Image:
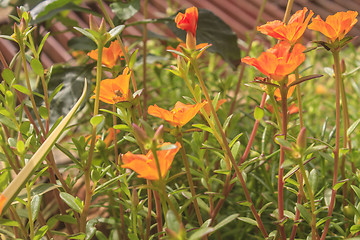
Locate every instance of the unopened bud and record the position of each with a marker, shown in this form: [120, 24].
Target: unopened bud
[159, 134]
[102, 28]
[100, 145]
[23, 25]
[190, 41]
[140, 134]
[135, 197]
[342, 66]
[93, 24]
[301, 139]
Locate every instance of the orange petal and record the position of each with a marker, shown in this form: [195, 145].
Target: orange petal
[2, 202]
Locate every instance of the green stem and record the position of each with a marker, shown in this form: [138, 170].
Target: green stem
[17, 218]
[276, 110]
[87, 167]
[31, 223]
[226, 148]
[298, 94]
[31, 95]
[126, 55]
[189, 177]
[145, 13]
[314, 234]
[336, 57]
[283, 92]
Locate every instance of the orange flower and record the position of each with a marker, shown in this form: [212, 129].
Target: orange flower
[336, 26]
[291, 109]
[179, 115]
[188, 21]
[290, 32]
[279, 61]
[207, 106]
[115, 90]
[145, 165]
[179, 49]
[290, 91]
[2, 202]
[110, 55]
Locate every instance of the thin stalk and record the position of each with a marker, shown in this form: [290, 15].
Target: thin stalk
[126, 56]
[145, 13]
[227, 185]
[17, 218]
[298, 201]
[346, 141]
[283, 92]
[189, 177]
[87, 168]
[242, 69]
[288, 11]
[314, 234]
[298, 94]
[148, 217]
[225, 146]
[158, 212]
[276, 110]
[28, 206]
[31, 95]
[337, 138]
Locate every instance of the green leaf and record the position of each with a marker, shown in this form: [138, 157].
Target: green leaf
[43, 112]
[19, 181]
[71, 201]
[96, 120]
[35, 206]
[258, 113]
[355, 229]
[116, 31]
[203, 127]
[41, 232]
[248, 220]
[133, 59]
[172, 221]
[211, 29]
[352, 127]
[124, 11]
[225, 221]
[8, 75]
[37, 66]
[201, 232]
[304, 212]
[67, 219]
[86, 33]
[339, 184]
[356, 190]
[22, 89]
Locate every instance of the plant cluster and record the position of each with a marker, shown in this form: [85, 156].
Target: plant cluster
[202, 170]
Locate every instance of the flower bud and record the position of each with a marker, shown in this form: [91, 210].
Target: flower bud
[301, 139]
[100, 145]
[342, 66]
[102, 28]
[190, 41]
[159, 134]
[140, 134]
[93, 24]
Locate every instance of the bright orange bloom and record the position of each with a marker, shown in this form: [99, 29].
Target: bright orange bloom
[182, 44]
[336, 26]
[110, 55]
[279, 61]
[145, 165]
[290, 32]
[290, 91]
[179, 115]
[115, 90]
[2, 202]
[188, 21]
[208, 109]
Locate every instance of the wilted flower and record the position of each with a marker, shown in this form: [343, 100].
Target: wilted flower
[336, 26]
[290, 32]
[115, 90]
[179, 115]
[279, 61]
[110, 55]
[145, 165]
